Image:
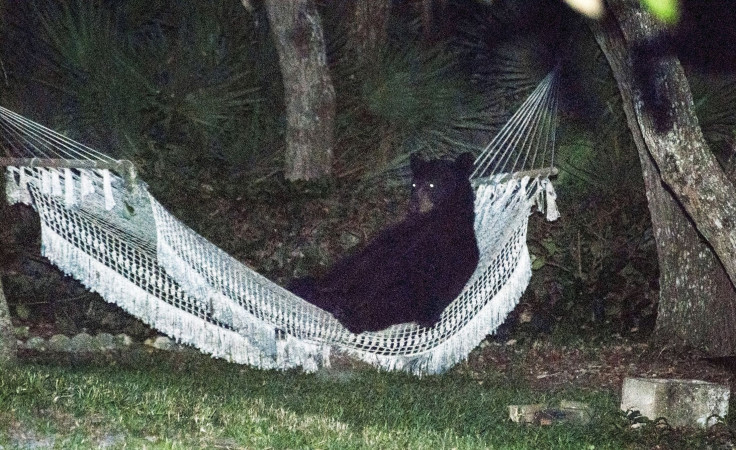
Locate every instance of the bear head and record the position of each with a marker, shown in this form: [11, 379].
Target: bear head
[440, 183]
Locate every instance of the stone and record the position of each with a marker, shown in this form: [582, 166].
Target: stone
[60, 343]
[106, 341]
[36, 343]
[683, 403]
[84, 343]
[23, 332]
[123, 340]
[161, 343]
[22, 312]
[525, 413]
[576, 412]
[541, 414]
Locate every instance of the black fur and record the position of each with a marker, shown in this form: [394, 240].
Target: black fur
[411, 271]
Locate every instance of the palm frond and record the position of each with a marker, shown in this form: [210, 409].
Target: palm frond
[715, 104]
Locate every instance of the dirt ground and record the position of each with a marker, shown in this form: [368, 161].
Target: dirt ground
[549, 367]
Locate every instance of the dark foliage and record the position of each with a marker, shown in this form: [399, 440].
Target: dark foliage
[175, 84]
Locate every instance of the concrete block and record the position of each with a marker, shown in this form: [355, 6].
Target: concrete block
[541, 414]
[525, 413]
[683, 403]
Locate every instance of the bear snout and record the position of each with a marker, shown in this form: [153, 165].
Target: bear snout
[423, 202]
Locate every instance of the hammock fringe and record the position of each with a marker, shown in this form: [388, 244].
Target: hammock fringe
[195, 293]
[108, 232]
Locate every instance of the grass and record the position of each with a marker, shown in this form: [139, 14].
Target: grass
[187, 400]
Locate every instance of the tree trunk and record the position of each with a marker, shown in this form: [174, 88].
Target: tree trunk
[431, 10]
[663, 108]
[308, 91]
[367, 36]
[369, 30]
[697, 304]
[7, 335]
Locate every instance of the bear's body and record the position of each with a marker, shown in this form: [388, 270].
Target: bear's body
[411, 271]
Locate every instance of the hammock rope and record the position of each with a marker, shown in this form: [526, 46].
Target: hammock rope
[121, 243]
[527, 140]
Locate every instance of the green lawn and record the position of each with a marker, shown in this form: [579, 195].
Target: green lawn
[186, 400]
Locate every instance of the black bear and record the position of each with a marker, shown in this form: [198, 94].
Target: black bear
[411, 271]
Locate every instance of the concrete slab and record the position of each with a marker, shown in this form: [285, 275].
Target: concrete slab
[683, 403]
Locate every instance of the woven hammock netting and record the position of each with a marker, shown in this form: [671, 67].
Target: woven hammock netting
[102, 227]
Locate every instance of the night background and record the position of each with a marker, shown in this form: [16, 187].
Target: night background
[191, 92]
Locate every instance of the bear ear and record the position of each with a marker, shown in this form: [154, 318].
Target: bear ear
[416, 162]
[465, 163]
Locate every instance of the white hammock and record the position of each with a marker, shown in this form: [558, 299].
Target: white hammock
[108, 232]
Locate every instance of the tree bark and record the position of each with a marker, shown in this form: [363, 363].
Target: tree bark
[676, 143]
[8, 348]
[689, 196]
[368, 31]
[309, 94]
[431, 9]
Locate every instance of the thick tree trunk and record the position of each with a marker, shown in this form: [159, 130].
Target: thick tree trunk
[663, 108]
[367, 33]
[7, 335]
[308, 91]
[369, 29]
[697, 299]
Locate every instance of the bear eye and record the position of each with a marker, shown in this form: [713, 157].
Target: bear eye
[431, 185]
[413, 185]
